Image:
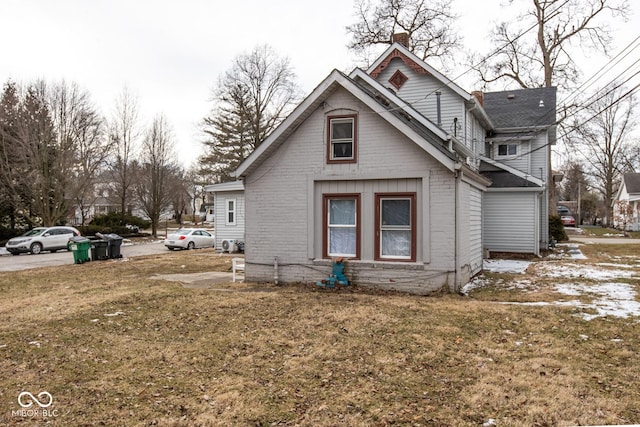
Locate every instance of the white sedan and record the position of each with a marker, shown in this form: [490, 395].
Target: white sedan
[190, 238]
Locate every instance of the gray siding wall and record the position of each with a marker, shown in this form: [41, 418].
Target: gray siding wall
[510, 222]
[420, 91]
[475, 230]
[224, 231]
[284, 204]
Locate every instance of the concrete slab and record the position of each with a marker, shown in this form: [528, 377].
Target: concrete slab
[197, 280]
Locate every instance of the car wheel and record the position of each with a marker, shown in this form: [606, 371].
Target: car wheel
[36, 248]
[191, 245]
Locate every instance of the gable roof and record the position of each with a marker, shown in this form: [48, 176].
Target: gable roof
[398, 50]
[522, 108]
[421, 134]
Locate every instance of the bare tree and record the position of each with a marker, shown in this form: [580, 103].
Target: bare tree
[428, 25]
[156, 163]
[124, 134]
[544, 58]
[603, 137]
[251, 99]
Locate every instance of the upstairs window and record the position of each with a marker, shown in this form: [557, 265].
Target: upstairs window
[342, 139]
[507, 150]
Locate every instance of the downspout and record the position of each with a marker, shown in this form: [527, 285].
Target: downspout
[457, 222]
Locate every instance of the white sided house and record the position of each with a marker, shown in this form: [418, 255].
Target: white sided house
[626, 203]
[382, 168]
[229, 215]
[516, 160]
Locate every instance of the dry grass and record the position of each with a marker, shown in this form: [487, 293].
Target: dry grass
[257, 354]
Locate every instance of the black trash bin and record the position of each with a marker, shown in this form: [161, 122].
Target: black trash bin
[115, 242]
[99, 249]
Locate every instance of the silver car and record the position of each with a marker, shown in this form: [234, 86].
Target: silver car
[190, 238]
[41, 239]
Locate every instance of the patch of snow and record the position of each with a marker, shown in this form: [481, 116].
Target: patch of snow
[505, 266]
[36, 343]
[490, 422]
[475, 283]
[611, 264]
[574, 271]
[117, 313]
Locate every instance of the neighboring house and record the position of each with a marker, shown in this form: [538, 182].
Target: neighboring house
[383, 167]
[626, 203]
[229, 214]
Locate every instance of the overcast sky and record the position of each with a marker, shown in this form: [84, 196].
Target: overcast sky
[170, 53]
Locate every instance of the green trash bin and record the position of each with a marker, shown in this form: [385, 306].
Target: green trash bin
[80, 247]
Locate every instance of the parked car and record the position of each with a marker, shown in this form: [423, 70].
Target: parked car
[190, 238]
[41, 239]
[568, 221]
[563, 210]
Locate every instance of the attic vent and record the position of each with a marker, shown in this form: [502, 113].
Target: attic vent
[398, 79]
[511, 96]
[541, 104]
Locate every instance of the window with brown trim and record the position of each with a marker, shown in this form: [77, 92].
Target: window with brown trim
[395, 226]
[341, 225]
[342, 139]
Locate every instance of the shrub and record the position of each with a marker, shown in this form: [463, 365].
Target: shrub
[556, 229]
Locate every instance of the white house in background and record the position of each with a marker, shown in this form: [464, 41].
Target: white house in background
[626, 203]
[229, 214]
[386, 168]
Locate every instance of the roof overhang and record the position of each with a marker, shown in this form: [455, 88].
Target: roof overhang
[225, 186]
[538, 182]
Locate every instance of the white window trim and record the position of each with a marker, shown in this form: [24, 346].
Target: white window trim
[227, 211]
[507, 156]
[353, 140]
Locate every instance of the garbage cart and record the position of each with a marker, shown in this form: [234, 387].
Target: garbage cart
[114, 242]
[79, 245]
[99, 249]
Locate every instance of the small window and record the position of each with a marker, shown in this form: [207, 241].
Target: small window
[396, 227]
[231, 212]
[507, 149]
[341, 145]
[341, 226]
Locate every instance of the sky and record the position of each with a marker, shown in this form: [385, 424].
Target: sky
[169, 54]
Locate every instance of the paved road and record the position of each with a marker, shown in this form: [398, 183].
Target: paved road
[10, 262]
[604, 240]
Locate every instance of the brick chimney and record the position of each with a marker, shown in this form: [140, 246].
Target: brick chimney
[402, 38]
[479, 96]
